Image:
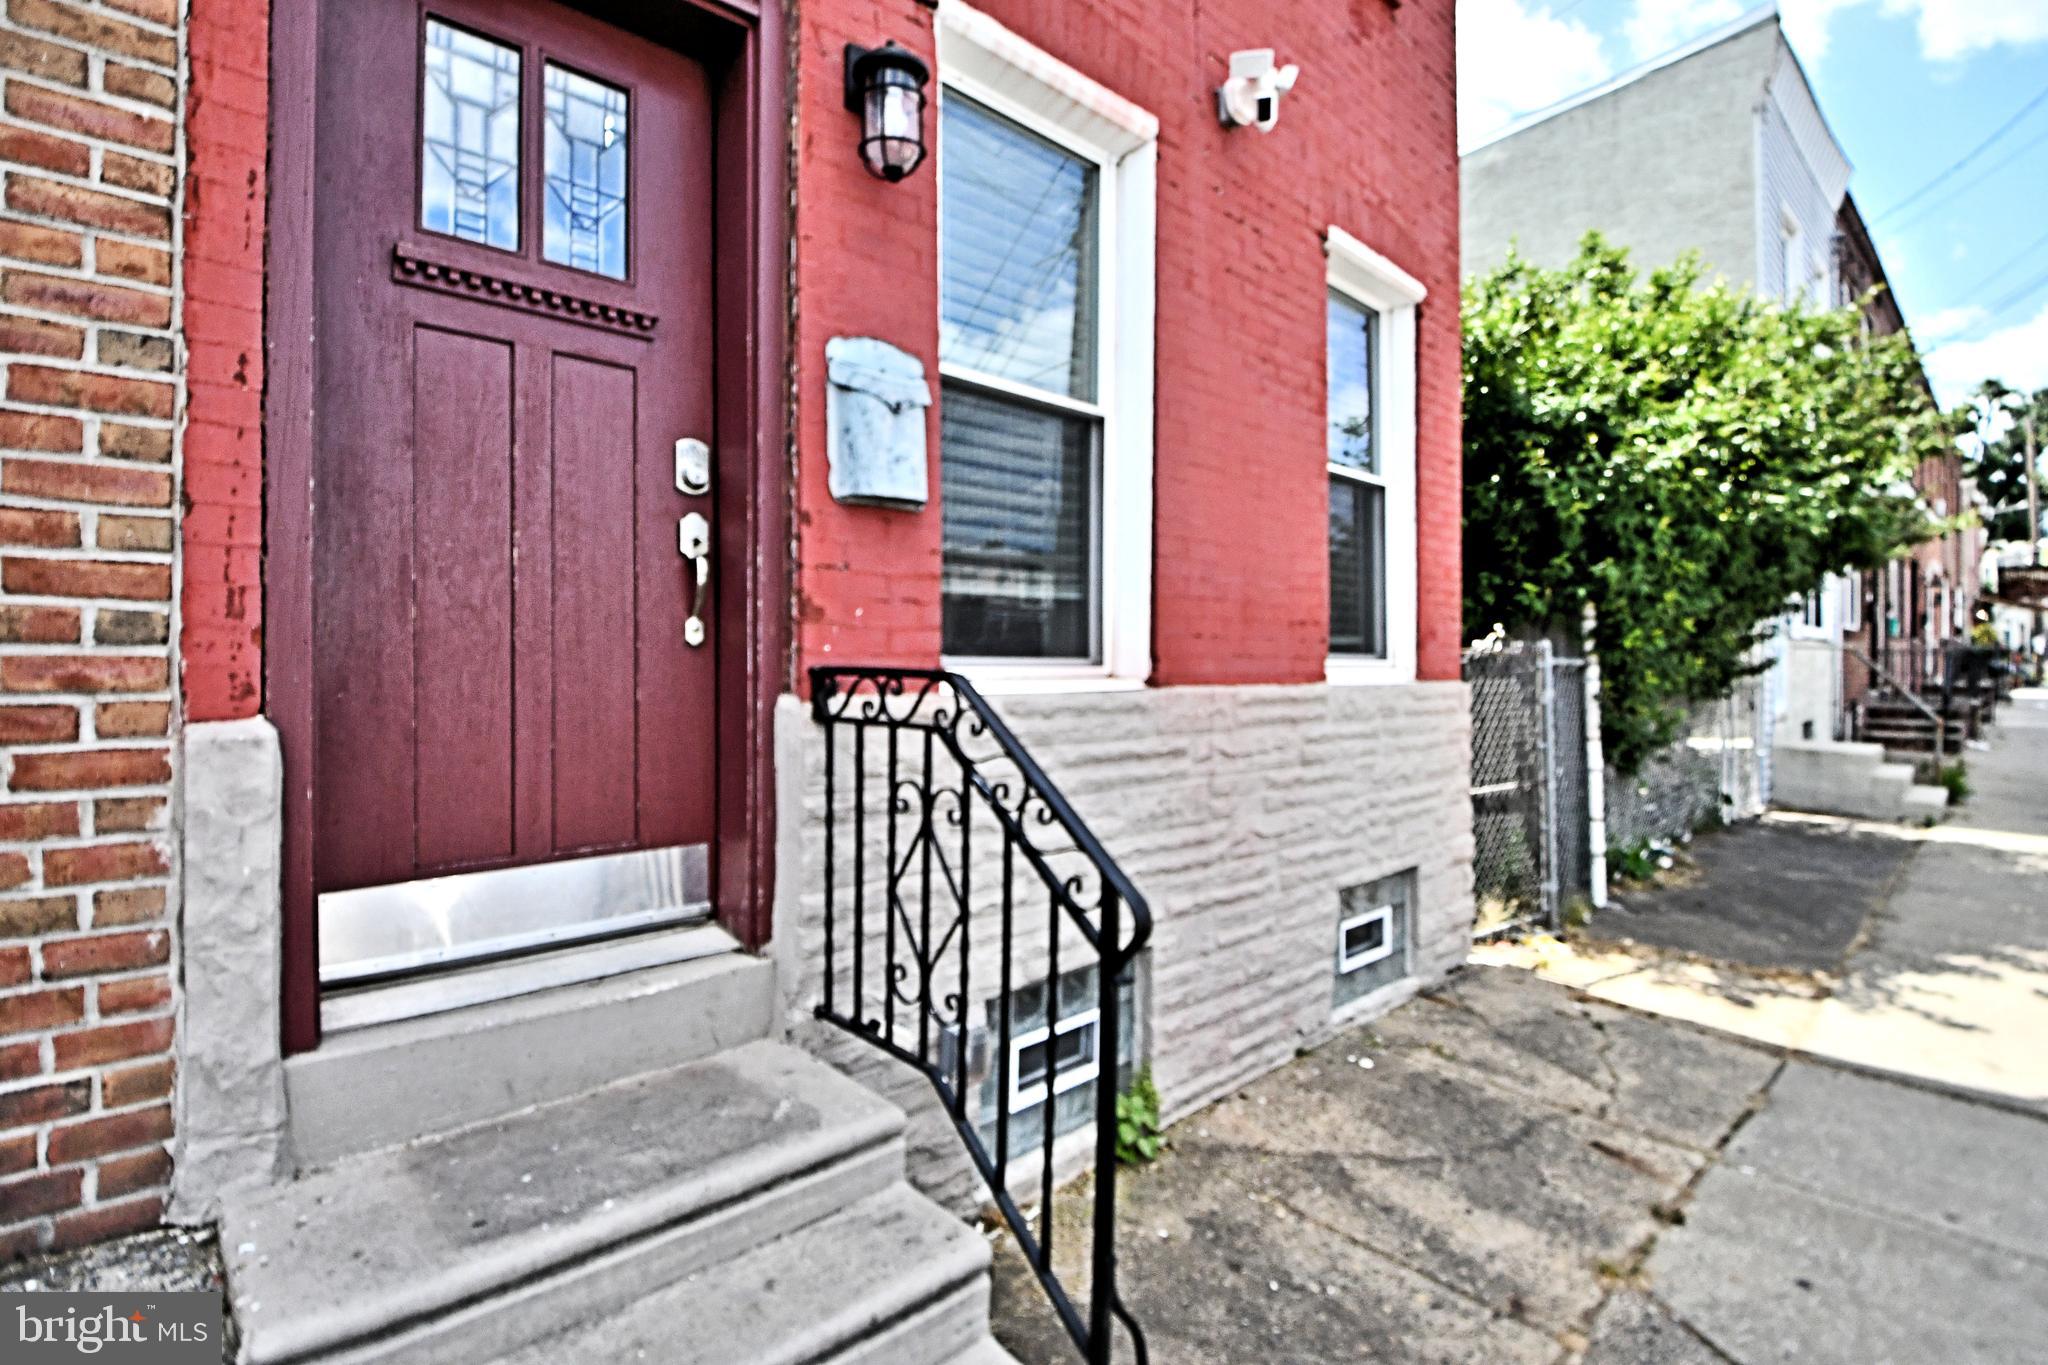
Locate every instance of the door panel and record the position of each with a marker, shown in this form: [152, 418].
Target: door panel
[500, 675]
[462, 597]
[596, 709]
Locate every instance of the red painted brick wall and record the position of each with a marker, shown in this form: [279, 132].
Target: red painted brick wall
[89, 158]
[227, 145]
[867, 582]
[1367, 142]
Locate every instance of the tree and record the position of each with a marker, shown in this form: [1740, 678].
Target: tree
[1999, 464]
[1682, 455]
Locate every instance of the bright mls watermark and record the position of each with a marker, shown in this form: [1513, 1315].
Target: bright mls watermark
[181, 1328]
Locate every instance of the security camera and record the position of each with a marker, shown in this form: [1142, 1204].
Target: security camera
[1251, 97]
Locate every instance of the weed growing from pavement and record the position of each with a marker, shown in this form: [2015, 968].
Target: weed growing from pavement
[1139, 1137]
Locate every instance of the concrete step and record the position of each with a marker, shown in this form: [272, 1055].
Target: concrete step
[397, 1082]
[464, 1248]
[1925, 802]
[1878, 730]
[1896, 742]
[989, 1352]
[893, 1280]
[1834, 778]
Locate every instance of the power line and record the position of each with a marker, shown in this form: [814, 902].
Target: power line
[1995, 311]
[1995, 276]
[1967, 157]
[2017, 296]
[1975, 180]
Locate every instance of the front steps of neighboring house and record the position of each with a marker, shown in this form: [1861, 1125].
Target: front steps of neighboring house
[735, 1202]
[1833, 778]
[1901, 727]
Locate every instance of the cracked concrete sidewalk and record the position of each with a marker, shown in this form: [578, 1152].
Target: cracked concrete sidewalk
[1523, 1174]
[1932, 964]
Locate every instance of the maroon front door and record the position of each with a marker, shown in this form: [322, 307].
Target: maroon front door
[513, 330]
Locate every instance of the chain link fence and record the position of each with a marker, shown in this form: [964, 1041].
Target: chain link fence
[1534, 800]
[1531, 808]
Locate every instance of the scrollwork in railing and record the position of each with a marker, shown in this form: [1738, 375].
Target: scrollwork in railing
[931, 764]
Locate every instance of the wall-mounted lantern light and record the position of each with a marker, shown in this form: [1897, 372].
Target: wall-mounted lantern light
[885, 86]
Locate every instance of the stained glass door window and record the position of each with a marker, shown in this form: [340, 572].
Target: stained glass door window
[584, 174]
[469, 139]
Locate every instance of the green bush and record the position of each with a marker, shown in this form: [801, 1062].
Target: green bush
[1684, 456]
[1957, 779]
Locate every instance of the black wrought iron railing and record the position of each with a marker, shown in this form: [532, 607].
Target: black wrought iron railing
[976, 929]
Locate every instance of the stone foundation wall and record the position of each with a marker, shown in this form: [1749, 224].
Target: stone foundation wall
[1239, 812]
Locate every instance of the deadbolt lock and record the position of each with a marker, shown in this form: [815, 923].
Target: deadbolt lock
[693, 467]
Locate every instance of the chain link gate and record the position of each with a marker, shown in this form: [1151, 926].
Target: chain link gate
[1571, 802]
[1531, 804]
[1510, 816]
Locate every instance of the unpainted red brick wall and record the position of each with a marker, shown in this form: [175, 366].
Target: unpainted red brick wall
[1367, 142]
[89, 146]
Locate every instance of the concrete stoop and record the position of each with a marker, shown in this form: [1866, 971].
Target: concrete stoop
[1829, 777]
[748, 1208]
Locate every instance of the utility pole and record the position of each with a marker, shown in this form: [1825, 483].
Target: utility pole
[2033, 497]
[2033, 523]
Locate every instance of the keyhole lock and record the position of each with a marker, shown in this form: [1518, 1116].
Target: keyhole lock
[693, 541]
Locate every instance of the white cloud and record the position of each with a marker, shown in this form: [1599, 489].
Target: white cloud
[1654, 27]
[1943, 323]
[1806, 24]
[2017, 355]
[1514, 57]
[1955, 28]
[1948, 30]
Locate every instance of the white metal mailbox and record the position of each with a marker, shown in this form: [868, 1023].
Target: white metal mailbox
[875, 425]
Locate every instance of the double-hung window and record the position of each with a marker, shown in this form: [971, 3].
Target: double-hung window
[1358, 487]
[1369, 435]
[1021, 429]
[1046, 216]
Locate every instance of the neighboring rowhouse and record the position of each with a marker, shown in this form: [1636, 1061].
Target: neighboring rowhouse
[1902, 619]
[1720, 148]
[442, 438]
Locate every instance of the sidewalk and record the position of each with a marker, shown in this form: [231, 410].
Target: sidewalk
[1522, 1175]
[1556, 1165]
[1947, 981]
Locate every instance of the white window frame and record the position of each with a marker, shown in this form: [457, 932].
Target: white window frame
[1366, 277]
[1791, 253]
[1852, 601]
[997, 69]
[1024, 1097]
[1823, 605]
[1351, 962]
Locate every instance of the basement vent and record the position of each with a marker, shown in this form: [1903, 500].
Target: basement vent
[1373, 932]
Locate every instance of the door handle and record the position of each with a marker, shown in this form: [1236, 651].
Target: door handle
[693, 540]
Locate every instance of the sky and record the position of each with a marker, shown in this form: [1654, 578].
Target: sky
[1909, 87]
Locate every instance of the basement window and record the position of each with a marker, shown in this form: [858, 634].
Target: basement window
[1365, 938]
[1068, 1053]
[1069, 1056]
[1374, 923]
